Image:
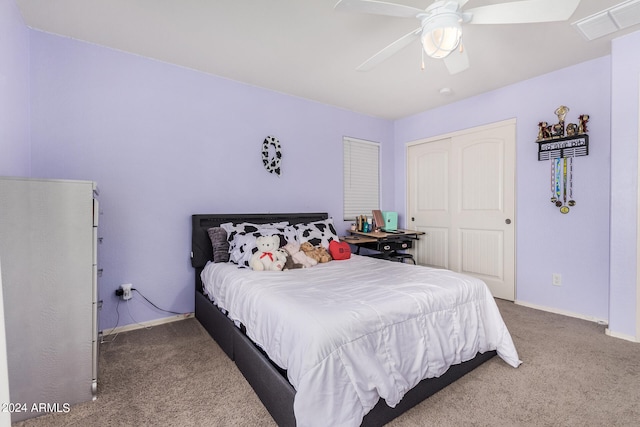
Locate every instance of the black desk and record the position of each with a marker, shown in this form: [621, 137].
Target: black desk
[386, 244]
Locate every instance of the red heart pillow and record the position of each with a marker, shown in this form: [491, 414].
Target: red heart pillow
[339, 250]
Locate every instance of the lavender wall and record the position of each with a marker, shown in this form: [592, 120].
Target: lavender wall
[163, 143]
[14, 92]
[575, 245]
[624, 189]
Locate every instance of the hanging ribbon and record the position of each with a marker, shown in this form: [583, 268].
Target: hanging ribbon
[558, 179]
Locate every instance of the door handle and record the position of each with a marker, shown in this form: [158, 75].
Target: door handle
[507, 221]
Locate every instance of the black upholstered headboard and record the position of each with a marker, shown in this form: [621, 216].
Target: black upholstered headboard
[201, 249]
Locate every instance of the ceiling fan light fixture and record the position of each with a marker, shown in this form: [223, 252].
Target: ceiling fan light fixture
[441, 35]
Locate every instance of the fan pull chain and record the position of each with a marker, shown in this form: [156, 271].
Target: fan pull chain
[422, 64]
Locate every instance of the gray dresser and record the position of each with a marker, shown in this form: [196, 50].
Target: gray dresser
[48, 250]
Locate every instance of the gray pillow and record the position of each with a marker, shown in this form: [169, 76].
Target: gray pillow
[220, 245]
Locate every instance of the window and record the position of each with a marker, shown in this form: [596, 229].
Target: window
[361, 177]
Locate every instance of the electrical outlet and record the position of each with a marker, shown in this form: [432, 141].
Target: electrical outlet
[556, 279]
[126, 291]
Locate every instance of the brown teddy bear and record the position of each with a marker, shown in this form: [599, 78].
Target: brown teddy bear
[318, 253]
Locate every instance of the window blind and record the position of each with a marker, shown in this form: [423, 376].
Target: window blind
[361, 177]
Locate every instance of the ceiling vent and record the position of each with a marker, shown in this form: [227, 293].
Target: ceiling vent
[609, 20]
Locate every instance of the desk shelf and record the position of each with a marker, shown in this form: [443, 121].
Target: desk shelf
[386, 245]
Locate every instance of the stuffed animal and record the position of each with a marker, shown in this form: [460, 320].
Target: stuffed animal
[267, 257]
[289, 263]
[297, 256]
[339, 250]
[319, 253]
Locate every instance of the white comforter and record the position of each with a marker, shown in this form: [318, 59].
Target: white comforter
[349, 332]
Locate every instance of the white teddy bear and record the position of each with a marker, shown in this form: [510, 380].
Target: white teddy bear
[268, 257]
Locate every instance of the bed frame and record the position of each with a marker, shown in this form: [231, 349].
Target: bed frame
[268, 380]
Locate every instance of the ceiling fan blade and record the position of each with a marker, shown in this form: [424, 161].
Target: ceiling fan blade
[457, 61]
[521, 12]
[390, 50]
[378, 8]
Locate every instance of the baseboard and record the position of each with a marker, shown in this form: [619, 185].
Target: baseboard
[602, 322]
[151, 323]
[620, 336]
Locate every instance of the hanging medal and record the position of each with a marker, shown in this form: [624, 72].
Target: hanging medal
[571, 201]
[553, 181]
[557, 183]
[564, 208]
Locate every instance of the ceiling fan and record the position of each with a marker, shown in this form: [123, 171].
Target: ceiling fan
[440, 28]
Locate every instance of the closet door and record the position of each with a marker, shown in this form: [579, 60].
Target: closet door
[461, 192]
[429, 168]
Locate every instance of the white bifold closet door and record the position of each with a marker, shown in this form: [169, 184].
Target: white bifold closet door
[461, 193]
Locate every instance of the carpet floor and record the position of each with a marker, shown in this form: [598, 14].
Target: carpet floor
[176, 375]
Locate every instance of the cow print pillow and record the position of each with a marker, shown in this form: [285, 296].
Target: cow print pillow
[248, 227]
[242, 238]
[318, 233]
[244, 245]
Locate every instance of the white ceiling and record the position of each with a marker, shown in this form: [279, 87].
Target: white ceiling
[306, 49]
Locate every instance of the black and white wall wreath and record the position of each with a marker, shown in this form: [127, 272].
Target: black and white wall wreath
[272, 155]
[560, 144]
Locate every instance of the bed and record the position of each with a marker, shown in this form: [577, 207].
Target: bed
[350, 342]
